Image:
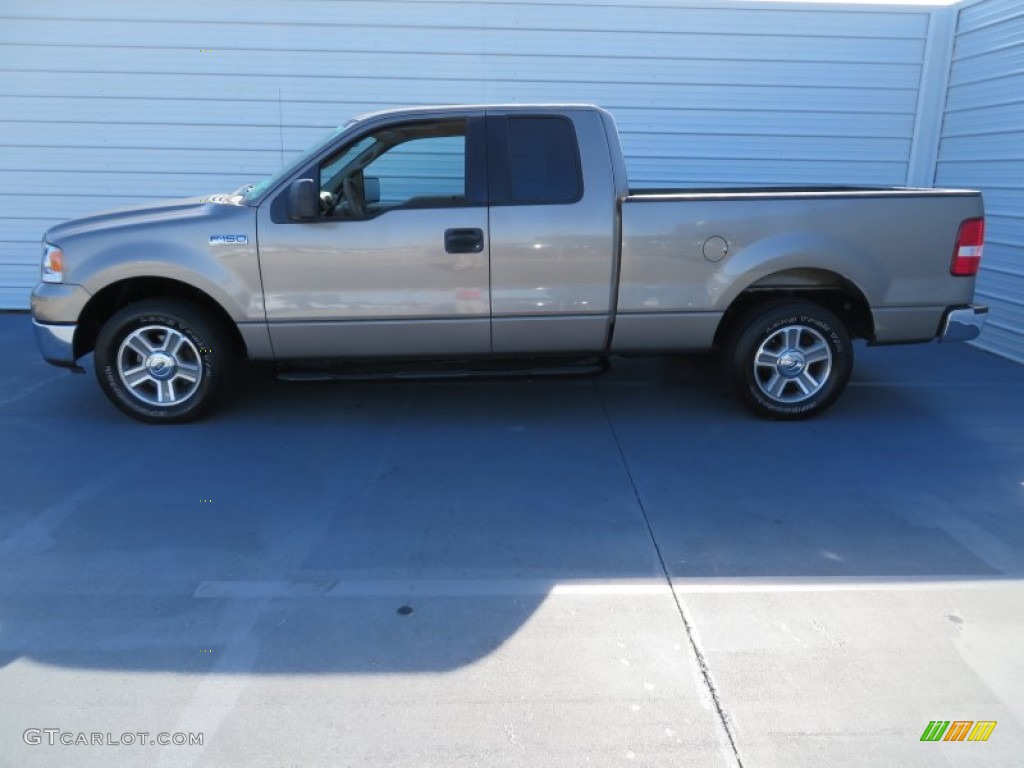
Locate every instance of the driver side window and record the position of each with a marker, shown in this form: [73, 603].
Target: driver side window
[414, 165]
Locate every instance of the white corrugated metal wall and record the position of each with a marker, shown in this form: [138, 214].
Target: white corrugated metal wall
[106, 103]
[982, 146]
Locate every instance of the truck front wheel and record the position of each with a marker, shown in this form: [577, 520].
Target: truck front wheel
[163, 361]
[788, 360]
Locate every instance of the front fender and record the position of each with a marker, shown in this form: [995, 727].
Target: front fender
[238, 293]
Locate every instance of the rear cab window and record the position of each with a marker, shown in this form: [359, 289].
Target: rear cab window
[534, 161]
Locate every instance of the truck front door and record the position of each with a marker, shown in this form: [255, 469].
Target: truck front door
[396, 262]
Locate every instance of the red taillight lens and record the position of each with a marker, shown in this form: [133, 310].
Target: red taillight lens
[969, 242]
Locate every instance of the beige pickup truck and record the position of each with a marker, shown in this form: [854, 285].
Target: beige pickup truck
[479, 237]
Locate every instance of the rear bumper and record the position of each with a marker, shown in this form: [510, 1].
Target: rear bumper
[963, 323]
[56, 343]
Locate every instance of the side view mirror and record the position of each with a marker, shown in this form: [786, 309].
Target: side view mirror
[371, 189]
[302, 200]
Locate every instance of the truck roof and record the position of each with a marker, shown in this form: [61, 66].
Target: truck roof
[461, 108]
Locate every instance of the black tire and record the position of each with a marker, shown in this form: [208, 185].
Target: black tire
[203, 351]
[788, 360]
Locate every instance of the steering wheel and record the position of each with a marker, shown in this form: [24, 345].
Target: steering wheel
[353, 198]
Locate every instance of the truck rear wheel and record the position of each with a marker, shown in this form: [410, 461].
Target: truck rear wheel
[163, 361]
[788, 360]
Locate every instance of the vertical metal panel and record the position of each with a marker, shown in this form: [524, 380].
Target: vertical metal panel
[931, 98]
[982, 146]
[108, 103]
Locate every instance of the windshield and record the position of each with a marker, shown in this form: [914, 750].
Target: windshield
[251, 192]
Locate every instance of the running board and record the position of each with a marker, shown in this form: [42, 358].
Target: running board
[496, 371]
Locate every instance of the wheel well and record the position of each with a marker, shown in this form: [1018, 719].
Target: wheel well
[117, 295]
[832, 291]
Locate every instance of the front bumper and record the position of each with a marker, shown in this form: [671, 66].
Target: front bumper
[57, 343]
[963, 323]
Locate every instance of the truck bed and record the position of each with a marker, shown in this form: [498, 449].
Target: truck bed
[687, 254]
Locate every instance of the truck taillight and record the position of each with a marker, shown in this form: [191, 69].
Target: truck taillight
[969, 241]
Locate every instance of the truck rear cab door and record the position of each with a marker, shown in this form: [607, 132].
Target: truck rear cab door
[552, 232]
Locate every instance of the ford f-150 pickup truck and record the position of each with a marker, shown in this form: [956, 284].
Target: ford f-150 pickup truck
[481, 234]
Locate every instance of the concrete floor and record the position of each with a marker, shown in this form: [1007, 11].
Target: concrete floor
[624, 570]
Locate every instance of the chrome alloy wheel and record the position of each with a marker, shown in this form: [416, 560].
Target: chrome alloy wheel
[792, 364]
[159, 365]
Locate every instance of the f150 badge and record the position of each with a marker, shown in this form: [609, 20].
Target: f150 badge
[229, 240]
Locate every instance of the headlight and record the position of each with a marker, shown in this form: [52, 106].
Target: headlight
[53, 264]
